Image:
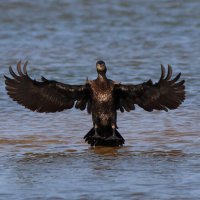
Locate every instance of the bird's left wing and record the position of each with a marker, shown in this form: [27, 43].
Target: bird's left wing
[44, 96]
[166, 94]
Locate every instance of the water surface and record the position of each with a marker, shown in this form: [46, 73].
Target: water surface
[43, 156]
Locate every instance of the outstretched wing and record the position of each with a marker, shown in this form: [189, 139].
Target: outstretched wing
[166, 94]
[44, 96]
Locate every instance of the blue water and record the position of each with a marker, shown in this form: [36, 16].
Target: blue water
[43, 156]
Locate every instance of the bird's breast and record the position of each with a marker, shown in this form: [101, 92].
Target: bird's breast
[103, 96]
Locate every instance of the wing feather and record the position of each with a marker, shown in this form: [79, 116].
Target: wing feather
[166, 94]
[44, 96]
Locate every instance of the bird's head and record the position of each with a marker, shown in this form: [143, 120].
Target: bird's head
[101, 67]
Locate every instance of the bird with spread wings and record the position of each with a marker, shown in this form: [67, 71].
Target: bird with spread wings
[101, 97]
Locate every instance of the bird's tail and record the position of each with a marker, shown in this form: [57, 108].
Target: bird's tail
[104, 133]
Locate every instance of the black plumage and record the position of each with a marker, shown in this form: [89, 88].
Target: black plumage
[102, 97]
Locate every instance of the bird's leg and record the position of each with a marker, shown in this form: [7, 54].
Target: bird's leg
[96, 135]
[113, 130]
[113, 136]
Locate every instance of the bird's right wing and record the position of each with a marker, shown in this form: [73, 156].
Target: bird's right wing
[47, 95]
[166, 94]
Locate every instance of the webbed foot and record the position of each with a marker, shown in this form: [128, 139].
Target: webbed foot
[113, 137]
[96, 137]
[98, 140]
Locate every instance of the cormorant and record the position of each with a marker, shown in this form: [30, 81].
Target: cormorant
[101, 97]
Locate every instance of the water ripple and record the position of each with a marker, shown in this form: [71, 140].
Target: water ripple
[43, 156]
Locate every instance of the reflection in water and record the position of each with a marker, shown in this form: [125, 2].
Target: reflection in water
[49, 171]
[111, 151]
[43, 156]
[105, 167]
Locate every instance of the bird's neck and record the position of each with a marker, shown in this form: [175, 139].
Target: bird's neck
[102, 77]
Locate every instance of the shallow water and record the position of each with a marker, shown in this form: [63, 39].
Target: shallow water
[43, 156]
